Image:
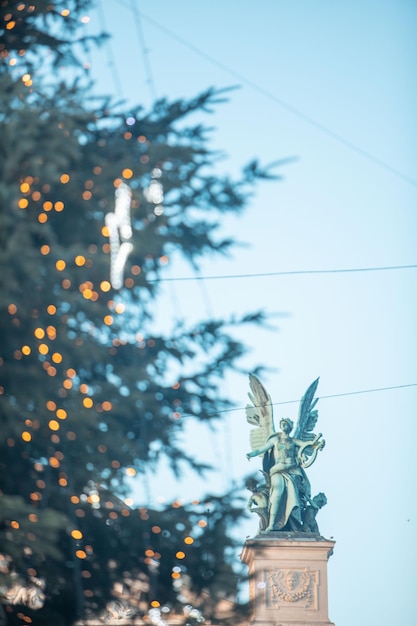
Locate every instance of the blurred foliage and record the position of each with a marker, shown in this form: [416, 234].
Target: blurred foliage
[92, 392]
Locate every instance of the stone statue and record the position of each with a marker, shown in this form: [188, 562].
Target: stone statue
[258, 501]
[285, 459]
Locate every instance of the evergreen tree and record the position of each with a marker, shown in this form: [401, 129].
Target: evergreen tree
[92, 393]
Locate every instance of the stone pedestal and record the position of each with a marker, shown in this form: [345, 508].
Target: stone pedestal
[288, 579]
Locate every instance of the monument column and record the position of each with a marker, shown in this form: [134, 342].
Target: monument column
[288, 578]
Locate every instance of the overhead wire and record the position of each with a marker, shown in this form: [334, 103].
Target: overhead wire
[334, 395]
[319, 126]
[110, 55]
[174, 297]
[280, 101]
[144, 49]
[288, 273]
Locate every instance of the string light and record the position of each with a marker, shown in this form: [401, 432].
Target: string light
[119, 231]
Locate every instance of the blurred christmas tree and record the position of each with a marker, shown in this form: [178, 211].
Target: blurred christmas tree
[91, 394]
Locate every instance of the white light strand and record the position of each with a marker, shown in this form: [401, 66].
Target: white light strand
[155, 192]
[120, 231]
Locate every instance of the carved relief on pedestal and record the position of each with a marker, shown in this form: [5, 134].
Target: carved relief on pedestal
[289, 587]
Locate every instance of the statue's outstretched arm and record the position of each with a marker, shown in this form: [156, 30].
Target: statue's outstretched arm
[259, 451]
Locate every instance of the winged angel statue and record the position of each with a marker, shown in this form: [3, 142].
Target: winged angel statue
[287, 503]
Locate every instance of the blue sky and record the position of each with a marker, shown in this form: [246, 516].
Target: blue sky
[333, 84]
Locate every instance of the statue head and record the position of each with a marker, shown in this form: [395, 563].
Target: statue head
[291, 580]
[251, 484]
[320, 500]
[286, 424]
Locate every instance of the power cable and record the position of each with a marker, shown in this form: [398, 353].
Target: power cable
[110, 56]
[289, 273]
[144, 49]
[282, 103]
[334, 395]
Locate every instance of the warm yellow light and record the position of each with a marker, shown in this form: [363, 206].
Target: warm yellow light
[65, 12]
[80, 554]
[42, 218]
[202, 523]
[25, 187]
[88, 403]
[180, 555]
[80, 260]
[47, 205]
[176, 575]
[75, 499]
[57, 357]
[87, 293]
[71, 373]
[53, 462]
[188, 540]
[60, 265]
[76, 534]
[14, 524]
[45, 249]
[155, 604]
[50, 405]
[108, 320]
[39, 333]
[127, 173]
[105, 285]
[117, 182]
[105, 231]
[36, 196]
[130, 471]
[26, 350]
[51, 308]
[12, 308]
[120, 308]
[61, 414]
[43, 348]
[59, 206]
[23, 203]
[32, 517]
[64, 179]
[51, 332]
[26, 436]
[106, 405]
[10, 25]
[54, 425]
[67, 384]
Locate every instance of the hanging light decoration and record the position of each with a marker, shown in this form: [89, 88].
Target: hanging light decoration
[120, 232]
[155, 192]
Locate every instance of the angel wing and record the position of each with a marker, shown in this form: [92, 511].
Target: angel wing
[259, 413]
[307, 417]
